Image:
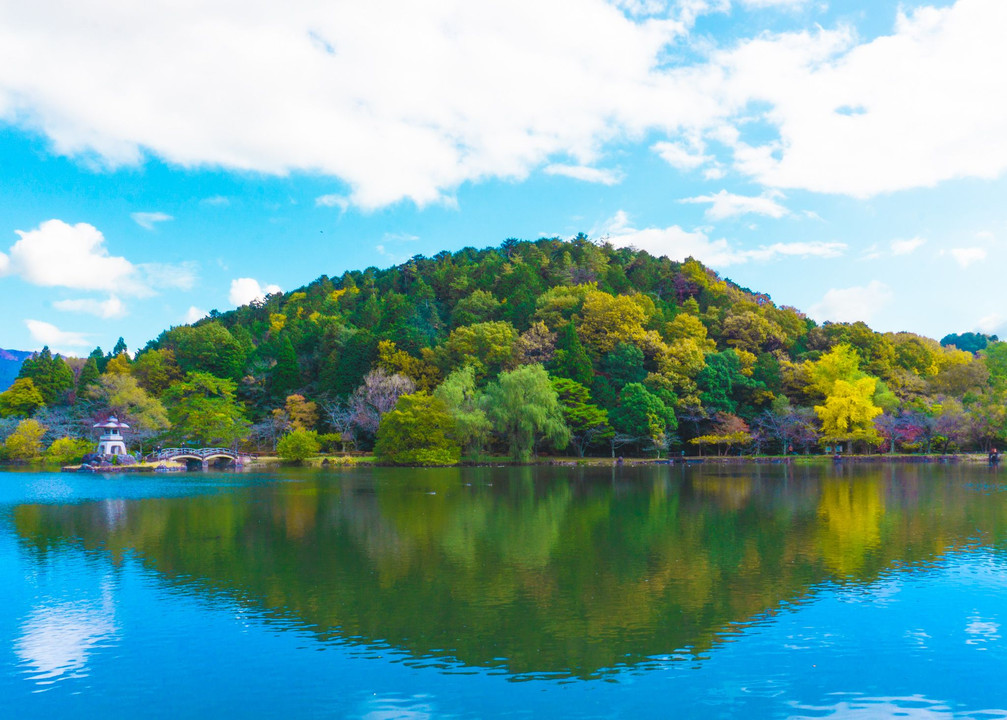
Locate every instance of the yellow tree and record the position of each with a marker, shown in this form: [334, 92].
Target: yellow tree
[607, 320]
[848, 412]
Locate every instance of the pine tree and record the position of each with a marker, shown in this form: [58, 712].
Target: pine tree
[571, 359]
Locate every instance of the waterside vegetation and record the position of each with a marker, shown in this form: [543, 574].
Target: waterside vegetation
[528, 349]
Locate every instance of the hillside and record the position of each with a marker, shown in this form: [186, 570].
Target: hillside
[640, 351]
[10, 364]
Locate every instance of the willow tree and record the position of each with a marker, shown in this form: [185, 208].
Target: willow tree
[524, 410]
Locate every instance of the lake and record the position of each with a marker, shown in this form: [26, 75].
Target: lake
[706, 591]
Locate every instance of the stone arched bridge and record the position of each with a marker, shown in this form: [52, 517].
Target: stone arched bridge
[204, 456]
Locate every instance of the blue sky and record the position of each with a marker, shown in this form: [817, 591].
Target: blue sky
[162, 160]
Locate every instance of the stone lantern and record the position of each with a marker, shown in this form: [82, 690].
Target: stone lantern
[111, 442]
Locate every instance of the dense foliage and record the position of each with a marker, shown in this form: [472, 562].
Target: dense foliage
[527, 348]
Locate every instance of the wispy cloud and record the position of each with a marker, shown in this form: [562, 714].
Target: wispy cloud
[853, 303]
[725, 205]
[678, 244]
[586, 173]
[62, 341]
[111, 308]
[147, 220]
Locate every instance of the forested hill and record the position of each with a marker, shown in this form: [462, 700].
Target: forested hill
[637, 351]
[10, 365]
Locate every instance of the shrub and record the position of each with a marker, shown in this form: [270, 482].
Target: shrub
[298, 445]
[68, 451]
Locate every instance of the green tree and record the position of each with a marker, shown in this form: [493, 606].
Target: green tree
[640, 413]
[68, 451]
[571, 359]
[298, 445]
[25, 443]
[89, 375]
[285, 375]
[20, 399]
[588, 423]
[122, 396]
[459, 394]
[203, 410]
[524, 409]
[51, 375]
[418, 431]
[155, 370]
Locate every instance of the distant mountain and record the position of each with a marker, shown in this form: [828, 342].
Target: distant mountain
[10, 365]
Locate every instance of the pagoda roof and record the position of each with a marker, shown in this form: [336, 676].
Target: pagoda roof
[112, 424]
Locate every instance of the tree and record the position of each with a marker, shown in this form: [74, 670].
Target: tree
[571, 359]
[122, 396]
[641, 413]
[155, 370]
[88, 376]
[727, 430]
[25, 443]
[303, 414]
[51, 376]
[459, 394]
[848, 412]
[68, 451]
[203, 410]
[479, 307]
[524, 409]
[376, 396]
[535, 345]
[285, 376]
[298, 445]
[588, 423]
[489, 346]
[20, 399]
[418, 431]
[624, 365]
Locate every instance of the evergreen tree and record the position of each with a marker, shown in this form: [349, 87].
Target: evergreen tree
[571, 359]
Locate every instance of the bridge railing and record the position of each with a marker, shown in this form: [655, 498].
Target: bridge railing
[168, 453]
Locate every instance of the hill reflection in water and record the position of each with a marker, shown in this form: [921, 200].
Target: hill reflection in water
[538, 571]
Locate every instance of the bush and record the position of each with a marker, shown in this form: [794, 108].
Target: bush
[68, 451]
[419, 431]
[25, 443]
[298, 445]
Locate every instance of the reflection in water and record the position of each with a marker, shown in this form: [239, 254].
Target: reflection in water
[541, 571]
[57, 638]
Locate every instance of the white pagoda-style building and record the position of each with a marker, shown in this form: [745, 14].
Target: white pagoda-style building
[111, 442]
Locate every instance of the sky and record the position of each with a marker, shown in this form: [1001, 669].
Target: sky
[165, 158]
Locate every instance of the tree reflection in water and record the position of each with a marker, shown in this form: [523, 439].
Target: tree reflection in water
[569, 571]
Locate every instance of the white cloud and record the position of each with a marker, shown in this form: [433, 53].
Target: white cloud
[193, 314]
[245, 290]
[679, 156]
[147, 220]
[57, 254]
[61, 341]
[906, 247]
[727, 205]
[967, 255]
[679, 244]
[163, 276]
[760, 4]
[74, 256]
[586, 173]
[924, 104]
[216, 201]
[111, 308]
[853, 303]
[404, 100]
[340, 201]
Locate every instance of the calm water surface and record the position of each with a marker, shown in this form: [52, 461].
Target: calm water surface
[761, 591]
